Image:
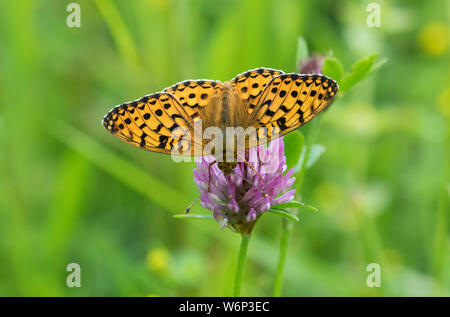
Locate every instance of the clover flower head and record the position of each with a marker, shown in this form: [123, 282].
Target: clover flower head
[312, 65]
[240, 198]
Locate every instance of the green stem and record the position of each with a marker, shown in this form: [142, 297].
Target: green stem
[287, 227]
[282, 258]
[240, 264]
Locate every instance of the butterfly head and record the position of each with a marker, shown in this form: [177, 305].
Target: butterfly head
[227, 167]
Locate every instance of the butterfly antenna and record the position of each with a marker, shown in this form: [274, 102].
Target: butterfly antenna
[192, 204]
[253, 184]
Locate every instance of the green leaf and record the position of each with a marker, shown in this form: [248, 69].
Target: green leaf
[119, 32]
[309, 207]
[295, 204]
[360, 70]
[284, 213]
[193, 216]
[333, 68]
[315, 153]
[293, 146]
[312, 156]
[291, 204]
[378, 65]
[302, 51]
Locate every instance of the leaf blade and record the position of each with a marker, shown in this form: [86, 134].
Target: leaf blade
[293, 147]
[360, 70]
[284, 213]
[295, 204]
[333, 68]
[302, 51]
[315, 153]
[193, 216]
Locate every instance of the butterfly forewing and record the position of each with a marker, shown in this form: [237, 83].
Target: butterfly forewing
[291, 100]
[156, 122]
[250, 85]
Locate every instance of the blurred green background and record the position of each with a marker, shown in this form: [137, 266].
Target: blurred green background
[71, 192]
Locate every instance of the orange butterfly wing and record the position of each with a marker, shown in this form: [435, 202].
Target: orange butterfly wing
[155, 122]
[291, 100]
[250, 85]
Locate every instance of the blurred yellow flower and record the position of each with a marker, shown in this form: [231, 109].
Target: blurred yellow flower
[157, 259]
[433, 38]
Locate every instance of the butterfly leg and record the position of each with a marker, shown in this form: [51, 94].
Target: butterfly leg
[257, 173]
[253, 169]
[209, 173]
[198, 197]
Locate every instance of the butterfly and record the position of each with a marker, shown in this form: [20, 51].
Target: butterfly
[272, 102]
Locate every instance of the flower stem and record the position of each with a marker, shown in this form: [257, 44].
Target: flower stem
[245, 238]
[282, 258]
[287, 227]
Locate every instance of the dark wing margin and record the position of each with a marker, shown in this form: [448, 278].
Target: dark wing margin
[291, 100]
[155, 122]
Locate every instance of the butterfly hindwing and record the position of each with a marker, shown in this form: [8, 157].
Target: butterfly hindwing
[155, 122]
[195, 95]
[250, 85]
[291, 100]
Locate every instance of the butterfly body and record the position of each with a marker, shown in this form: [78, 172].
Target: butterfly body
[264, 102]
[225, 109]
[225, 113]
